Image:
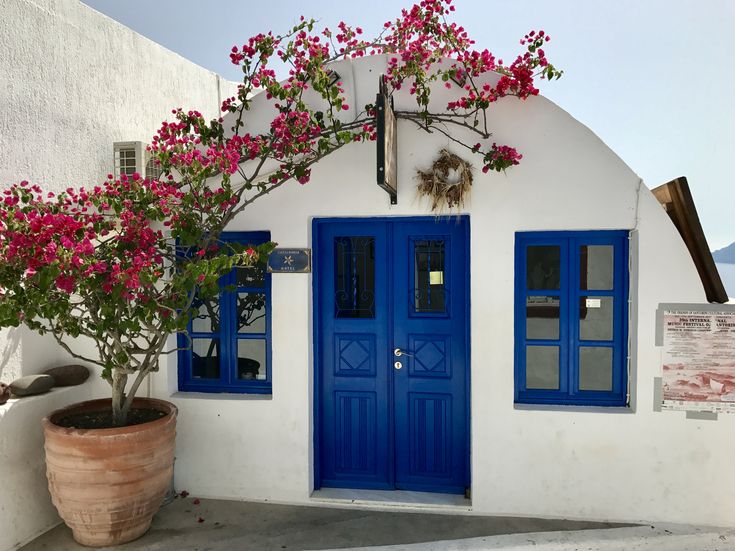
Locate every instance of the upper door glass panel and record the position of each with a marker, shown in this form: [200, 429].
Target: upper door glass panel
[428, 279]
[354, 277]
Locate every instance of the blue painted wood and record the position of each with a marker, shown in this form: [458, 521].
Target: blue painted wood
[377, 426]
[355, 449]
[228, 336]
[569, 341]
[430, 421]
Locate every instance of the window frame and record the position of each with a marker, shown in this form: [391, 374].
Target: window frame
[569, 341]
[228, 335]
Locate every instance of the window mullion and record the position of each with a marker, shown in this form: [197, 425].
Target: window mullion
[620, 360]
[572, 340]
[226, 329]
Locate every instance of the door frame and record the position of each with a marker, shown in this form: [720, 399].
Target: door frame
[316, 224]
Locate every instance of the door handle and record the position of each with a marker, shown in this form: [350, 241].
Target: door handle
[398, 353]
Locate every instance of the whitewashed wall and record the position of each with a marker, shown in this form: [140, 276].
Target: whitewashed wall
[72, 82]
[623, 465]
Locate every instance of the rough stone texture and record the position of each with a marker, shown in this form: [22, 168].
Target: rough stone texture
[32, 384]
[68, 375]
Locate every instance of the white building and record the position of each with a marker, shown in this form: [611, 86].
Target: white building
[526, 375]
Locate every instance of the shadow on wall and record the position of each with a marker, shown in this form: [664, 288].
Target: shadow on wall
[10, 352]
[24, 352]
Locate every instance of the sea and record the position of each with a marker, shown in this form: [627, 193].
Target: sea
[727, 273]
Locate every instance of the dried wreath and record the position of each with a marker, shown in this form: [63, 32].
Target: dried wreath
[447, 183]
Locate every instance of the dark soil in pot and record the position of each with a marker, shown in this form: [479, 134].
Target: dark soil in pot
[103, 419]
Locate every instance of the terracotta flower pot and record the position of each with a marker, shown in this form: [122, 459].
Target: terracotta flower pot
[108, 483]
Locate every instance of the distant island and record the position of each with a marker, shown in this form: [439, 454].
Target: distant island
[726, 255]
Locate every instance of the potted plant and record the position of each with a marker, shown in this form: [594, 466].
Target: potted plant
[111, 271]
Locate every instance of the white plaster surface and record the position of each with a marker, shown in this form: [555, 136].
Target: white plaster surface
[72, 82]
[624, 464]
[25, 504]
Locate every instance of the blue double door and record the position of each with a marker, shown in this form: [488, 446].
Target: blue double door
[392, 353]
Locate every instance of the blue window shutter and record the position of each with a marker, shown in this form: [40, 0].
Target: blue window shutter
[228, 380]
[570, 296]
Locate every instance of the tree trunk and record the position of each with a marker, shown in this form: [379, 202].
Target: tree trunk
[128, 402]
[119, 415]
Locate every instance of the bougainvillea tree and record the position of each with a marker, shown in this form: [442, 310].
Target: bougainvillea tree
[122, 262]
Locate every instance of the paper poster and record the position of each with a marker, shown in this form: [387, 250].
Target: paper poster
[699, 360]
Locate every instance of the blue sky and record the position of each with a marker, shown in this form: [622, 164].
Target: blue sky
[653, 78]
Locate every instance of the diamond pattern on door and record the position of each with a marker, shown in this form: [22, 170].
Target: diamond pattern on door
[430, 356]
[355, 355]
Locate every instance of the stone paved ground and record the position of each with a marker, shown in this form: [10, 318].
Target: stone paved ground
[234, 525]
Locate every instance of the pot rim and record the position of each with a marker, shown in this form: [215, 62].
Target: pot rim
[170, 409]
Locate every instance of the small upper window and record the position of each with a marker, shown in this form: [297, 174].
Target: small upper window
[571, 318]
[227, 345]
[132, 157]
[152, 168]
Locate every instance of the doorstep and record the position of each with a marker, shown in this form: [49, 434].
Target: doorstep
[391, 500]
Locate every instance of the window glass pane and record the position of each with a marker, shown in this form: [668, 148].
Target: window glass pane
[542, 318]
[251, 276]
[250, 312]
[596, 267]
[542, 367]
[251, 361]
[543, 267]
[595, 368]
[596, 318]
[429, 292]
[205, 359]
[354, 261]
[205, 315]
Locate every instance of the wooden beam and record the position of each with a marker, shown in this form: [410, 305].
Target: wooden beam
[676, 198]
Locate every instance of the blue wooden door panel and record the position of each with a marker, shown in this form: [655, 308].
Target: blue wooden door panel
[430, 317]
[354, 428]
[378, 426]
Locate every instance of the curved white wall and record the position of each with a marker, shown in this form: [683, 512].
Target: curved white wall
[566, 462]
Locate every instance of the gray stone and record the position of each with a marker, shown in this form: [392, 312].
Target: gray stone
[32, 384]
[68, 375]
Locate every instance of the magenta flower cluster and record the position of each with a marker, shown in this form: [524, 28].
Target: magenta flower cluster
[121, 262]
